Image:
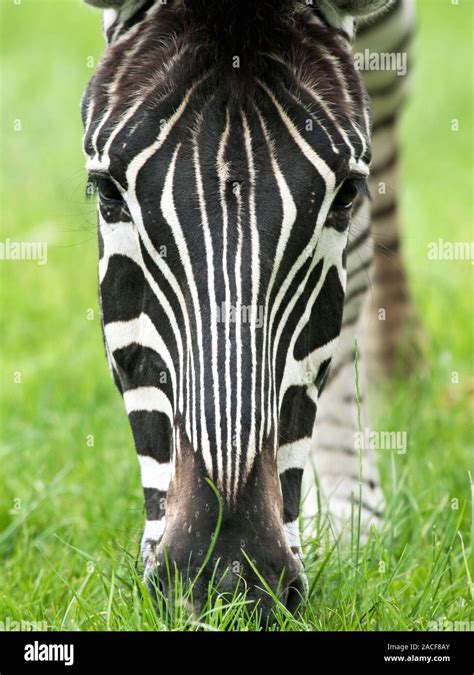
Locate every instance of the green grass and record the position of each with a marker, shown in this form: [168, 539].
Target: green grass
[71, 508]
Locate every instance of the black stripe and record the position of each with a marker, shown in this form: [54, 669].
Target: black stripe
[155, 503]
[391, 246]
[291, 490]
[385, 211]
[356, 292]
[364, 266]
[358, 241]
[387, 88]
[352, 320]
[385, 122]
[388, 164]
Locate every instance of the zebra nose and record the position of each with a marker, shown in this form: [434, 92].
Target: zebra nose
[264, 606]
[195, 587]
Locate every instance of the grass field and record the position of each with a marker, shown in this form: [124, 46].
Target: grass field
[71, 508]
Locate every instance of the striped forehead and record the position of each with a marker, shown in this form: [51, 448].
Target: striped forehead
[141, 93]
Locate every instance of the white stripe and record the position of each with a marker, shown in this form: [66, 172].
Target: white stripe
[132, 172]
[154, 475]
[329, 250]
[221, 167]
[109, 16]
[141, 331]
[329, 179]
[153, 530]
[119, 238]
[127, 58]
[90, 112]
[314, 95]
[255, 283]
[292, 532]
[293, 455]
[165, 69]
[288, 220]
[319, 164]
[313, 116]
[148, 399]
[169, 213]
[238, 340]
[212, 307]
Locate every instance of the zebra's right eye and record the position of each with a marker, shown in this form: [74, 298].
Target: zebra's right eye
[347, 193]
[345, 197]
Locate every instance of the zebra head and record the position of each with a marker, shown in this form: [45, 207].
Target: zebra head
[228, 143]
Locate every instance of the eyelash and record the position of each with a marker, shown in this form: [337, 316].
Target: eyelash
[102, 185]
[111, 203]
[347, 193]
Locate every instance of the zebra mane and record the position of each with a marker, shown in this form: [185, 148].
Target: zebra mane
[251, 9]
[238, 26]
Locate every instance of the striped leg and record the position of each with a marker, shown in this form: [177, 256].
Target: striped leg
[390, 326]
[331, 478]
[376, 319]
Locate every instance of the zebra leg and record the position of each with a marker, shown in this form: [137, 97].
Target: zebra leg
[381, 320]
[391, 329]
[392, 332]
[334, 480]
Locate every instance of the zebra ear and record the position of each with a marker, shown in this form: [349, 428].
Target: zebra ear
[106, 4]
[360, 8]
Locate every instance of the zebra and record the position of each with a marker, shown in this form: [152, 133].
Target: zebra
[229, 144]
